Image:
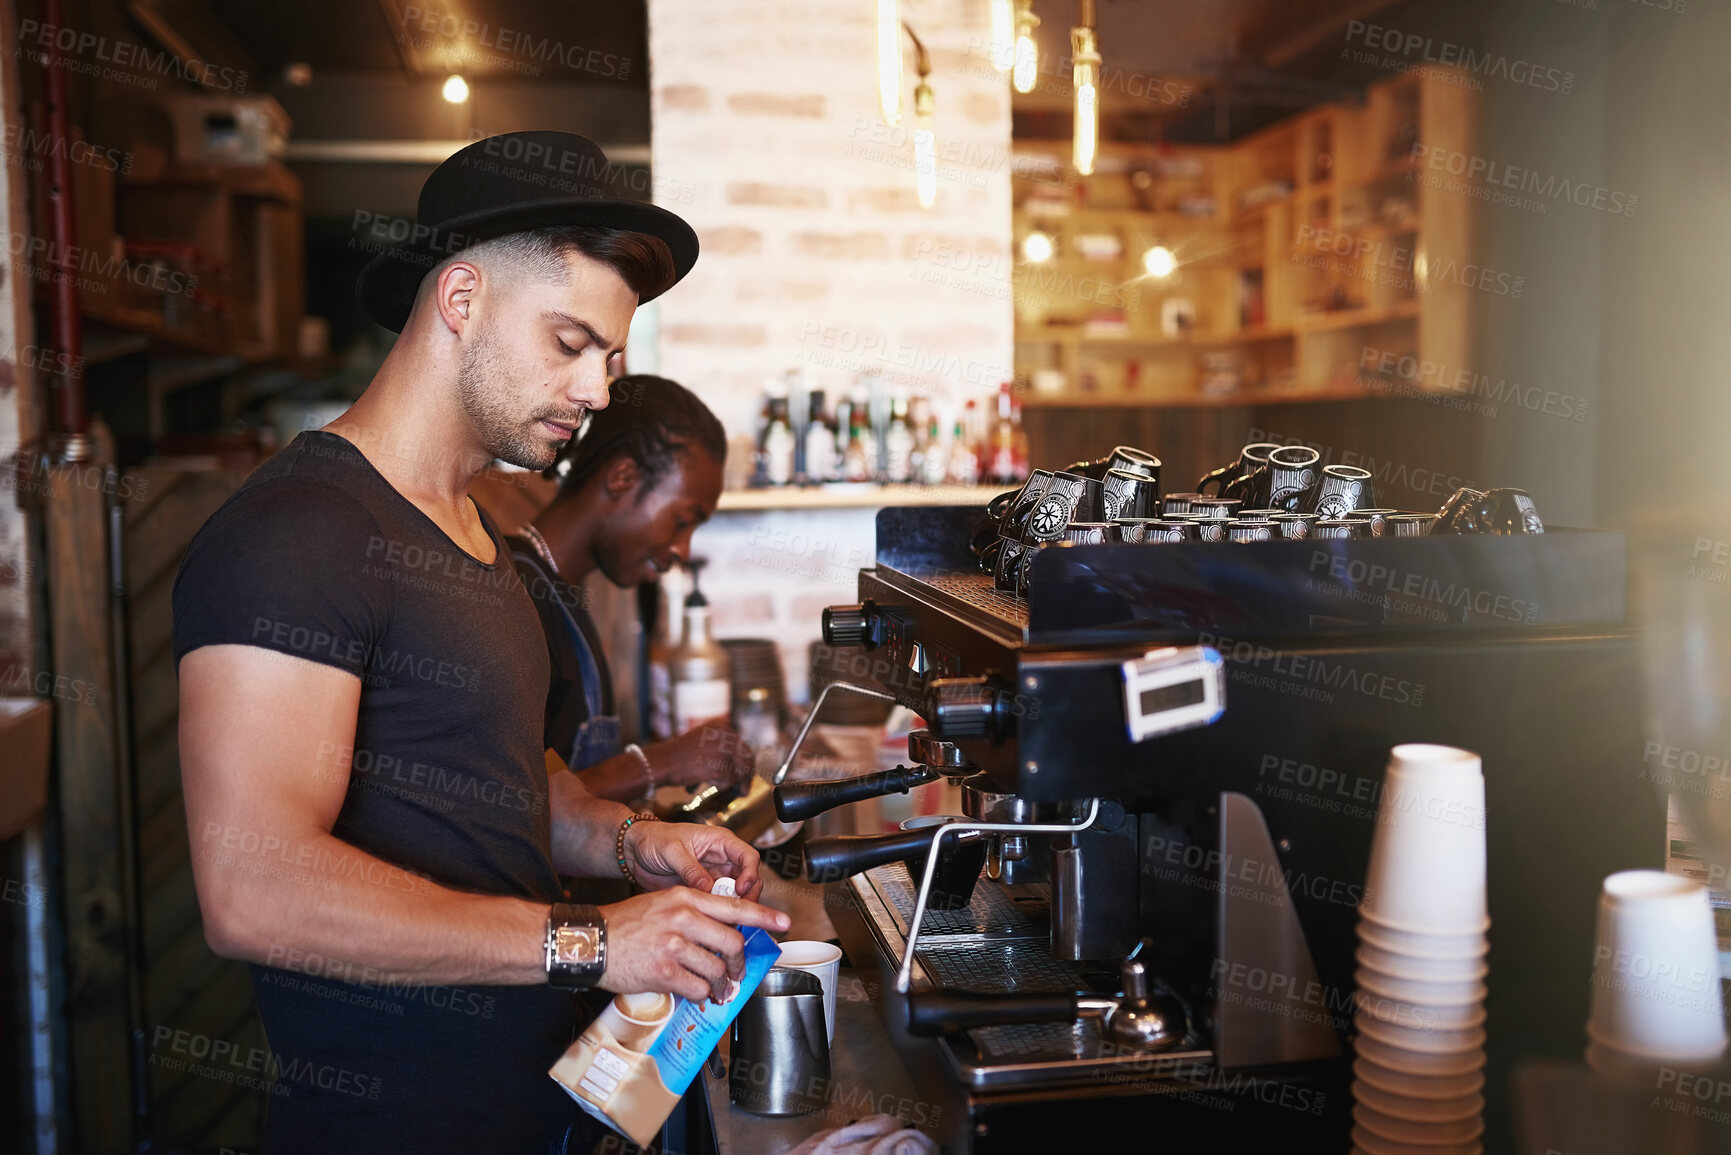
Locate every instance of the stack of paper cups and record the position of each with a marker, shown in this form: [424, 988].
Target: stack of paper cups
[1419, 1074]
[1656, 996]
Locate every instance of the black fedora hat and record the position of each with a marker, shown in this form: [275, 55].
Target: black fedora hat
[507, 184]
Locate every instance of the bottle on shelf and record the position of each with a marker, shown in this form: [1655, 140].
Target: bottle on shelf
[670, 597]
[798, 418]
[778, 439]
[819, 443]
[697, 668]
[935, 462]
[862, 448]
[899, 444]
[964, 463]
[1001, 461]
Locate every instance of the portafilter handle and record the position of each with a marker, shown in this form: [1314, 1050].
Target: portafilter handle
[839, 856]
[933, 1013]
[796, 801]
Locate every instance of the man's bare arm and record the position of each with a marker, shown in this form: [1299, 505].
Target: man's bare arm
[263, 790]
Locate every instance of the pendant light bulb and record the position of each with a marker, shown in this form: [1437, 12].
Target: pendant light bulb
[1159, 261]
[1037, 247]
[1086, 75]
[890, 60]
[456, 89]
[925, 145]
[1027, 53]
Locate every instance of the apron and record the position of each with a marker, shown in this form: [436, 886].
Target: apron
[599, 737]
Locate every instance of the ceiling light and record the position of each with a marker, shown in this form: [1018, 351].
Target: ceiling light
[925, 146]
[456, 89]
[1085, 51]
[1159, 261]
[1037, 247]
[1027, 59]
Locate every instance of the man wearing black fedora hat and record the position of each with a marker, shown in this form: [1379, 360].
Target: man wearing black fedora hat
[362, 687]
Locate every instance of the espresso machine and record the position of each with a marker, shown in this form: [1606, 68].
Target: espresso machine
[1171, 759]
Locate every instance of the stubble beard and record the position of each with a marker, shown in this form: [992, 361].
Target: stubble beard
[481, 376]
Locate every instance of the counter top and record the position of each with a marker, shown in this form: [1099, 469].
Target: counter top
[866, 1078]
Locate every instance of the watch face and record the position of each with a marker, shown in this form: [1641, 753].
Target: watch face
[577, 945]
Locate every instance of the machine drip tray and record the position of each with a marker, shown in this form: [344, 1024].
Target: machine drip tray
[999, 944]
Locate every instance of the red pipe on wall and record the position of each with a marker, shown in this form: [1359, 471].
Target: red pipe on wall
[74, 404]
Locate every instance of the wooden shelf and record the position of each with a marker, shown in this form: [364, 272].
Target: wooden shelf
[861, 496]
[1248, 398]
[1357, 318]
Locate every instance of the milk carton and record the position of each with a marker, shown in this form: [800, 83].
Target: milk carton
[631, 1065]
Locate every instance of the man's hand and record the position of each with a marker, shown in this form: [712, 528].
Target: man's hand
[680, 941]
[665, 854]
[709, 752]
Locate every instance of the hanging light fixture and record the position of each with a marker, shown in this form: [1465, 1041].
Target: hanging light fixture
[925, 136]
[455, 90]
[1027, 53]
[1159, 261]
[1003, 47]
[1085, 51]
[890, 60]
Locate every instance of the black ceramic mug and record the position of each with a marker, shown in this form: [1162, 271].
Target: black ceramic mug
[1249, 458]
[1067, 498]
[1174, 504]
[1410, 524]
[1214, 508]
[1341, 528]
[1016, 515]
[1344, 488]
[1294, 526]
[1291, 477]
[1125, 494]
[1245, 531]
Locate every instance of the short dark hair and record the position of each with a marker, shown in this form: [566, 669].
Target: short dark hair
[649, 419]
[643, 262]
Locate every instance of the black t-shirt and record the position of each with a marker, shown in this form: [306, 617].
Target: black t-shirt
[317, 556]
[567, 707]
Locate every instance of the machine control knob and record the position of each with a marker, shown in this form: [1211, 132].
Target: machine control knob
[962, 708]
[846, 625]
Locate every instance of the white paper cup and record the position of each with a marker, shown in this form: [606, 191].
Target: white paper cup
[1418, 1110]
[1405, 1014]
[822, 959]
[1427, 858]
[1397, 1082]
[1440, 1064]
[1409, 1131]
[1656, 969]
[1415, 969]
[1420, 945]
[1457, 993]
[1373, 1144]
[1419, 1039]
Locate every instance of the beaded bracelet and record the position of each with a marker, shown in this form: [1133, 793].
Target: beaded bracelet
[619, 843]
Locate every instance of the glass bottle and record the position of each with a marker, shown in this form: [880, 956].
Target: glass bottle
[899, 444]
[697, 668]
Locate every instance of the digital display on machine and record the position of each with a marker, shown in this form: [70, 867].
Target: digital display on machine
[1160, 698]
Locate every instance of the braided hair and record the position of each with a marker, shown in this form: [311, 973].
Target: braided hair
[649, 419]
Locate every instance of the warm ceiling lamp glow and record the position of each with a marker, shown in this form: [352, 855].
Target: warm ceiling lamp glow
[890, 59]
[456, 89]
[1087, 78]
[925, 146]
[1027, 58]
[1003, 48]
[1159, 261]
[1037, 247]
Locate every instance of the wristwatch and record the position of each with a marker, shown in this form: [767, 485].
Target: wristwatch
[576, 946]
